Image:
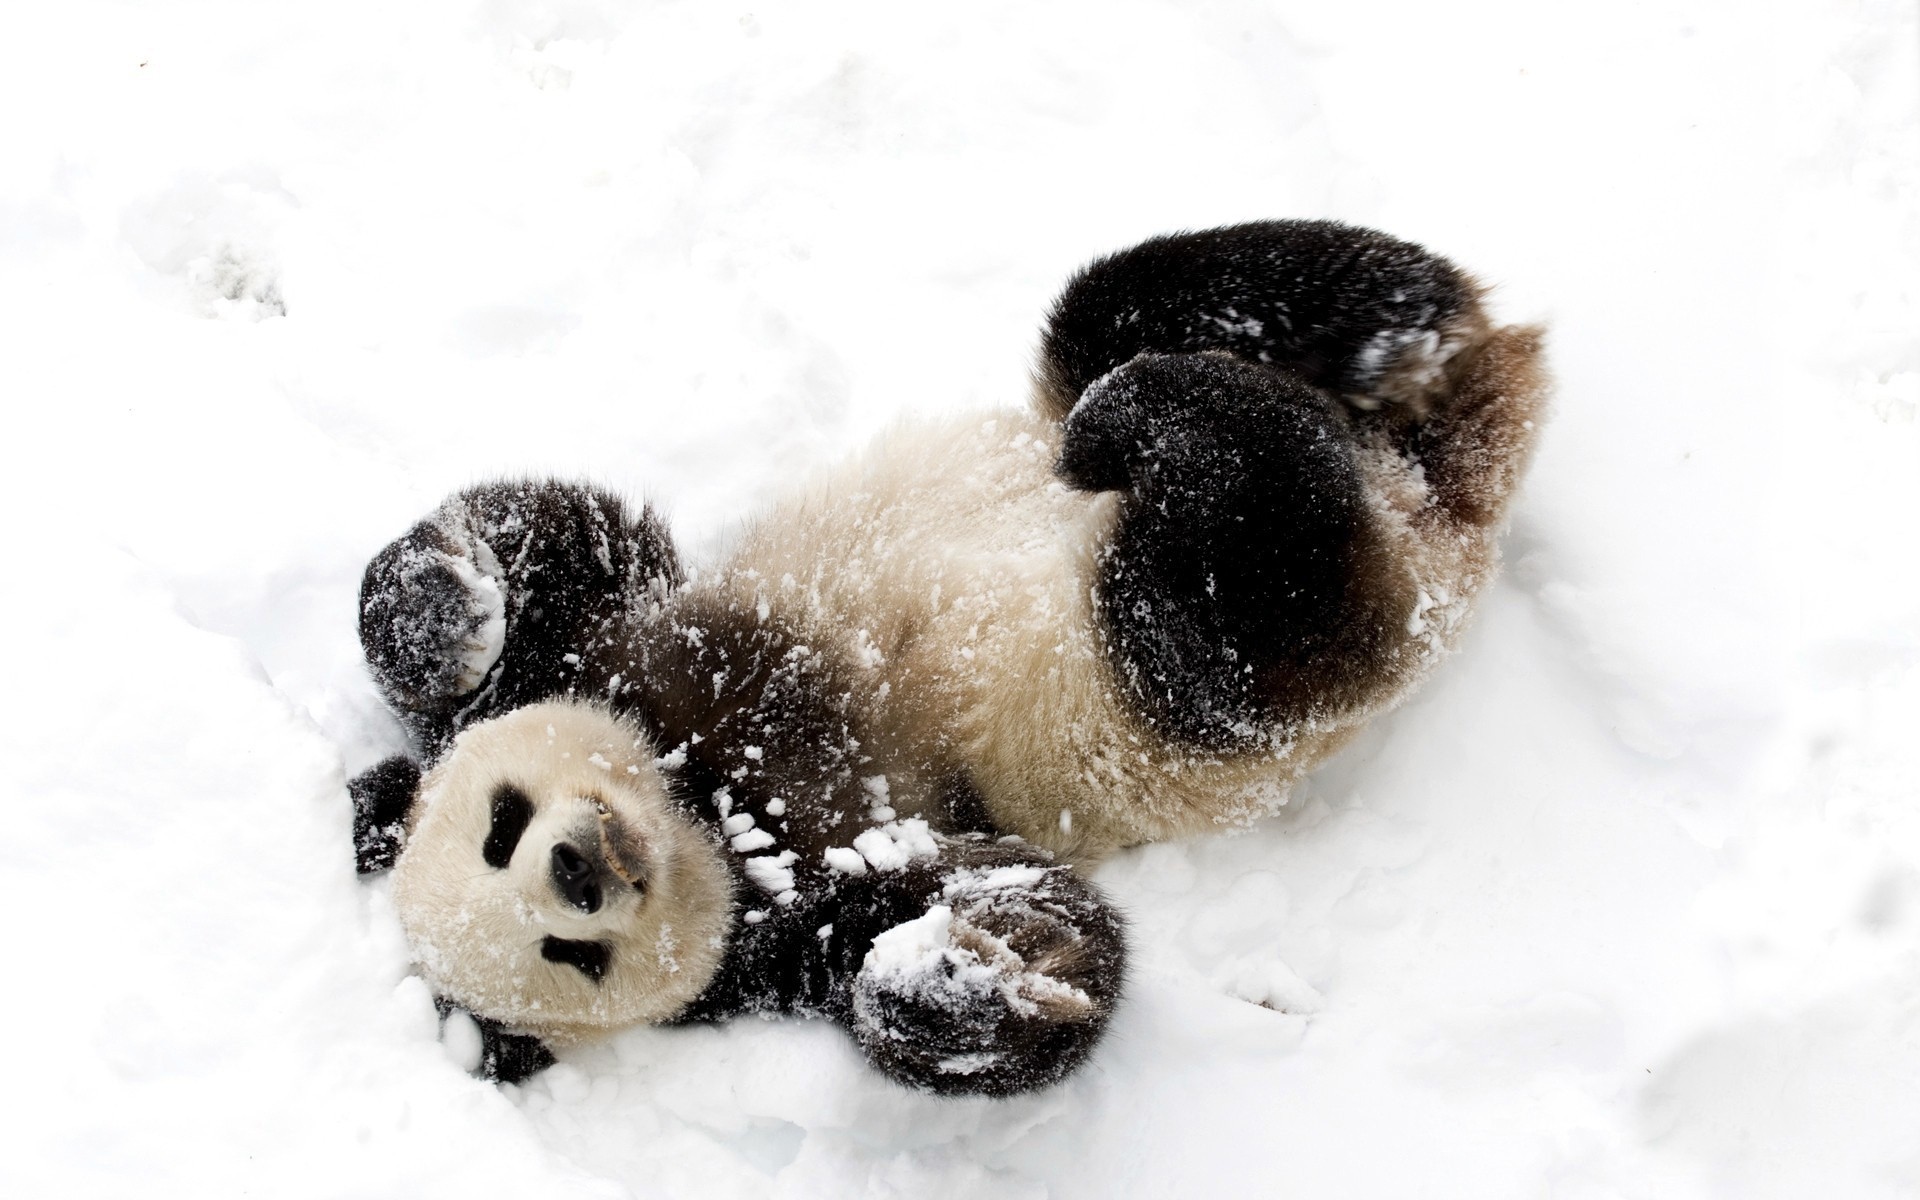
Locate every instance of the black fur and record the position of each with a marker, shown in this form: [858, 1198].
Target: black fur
[708, 680]
[1231, 591]
[589, 958]
[510, 1057]
[575, 560]
[1203, 375]
[505, 1057]
[512, 812]
[808, 959]
[1309, 295]
[382, 797]
[916, 1037]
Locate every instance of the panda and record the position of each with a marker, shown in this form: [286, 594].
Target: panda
[568, 862]
[854, 767]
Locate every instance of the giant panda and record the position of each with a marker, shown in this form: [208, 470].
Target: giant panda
[850, 766]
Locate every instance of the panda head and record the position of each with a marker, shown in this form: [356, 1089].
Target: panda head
[550, 882]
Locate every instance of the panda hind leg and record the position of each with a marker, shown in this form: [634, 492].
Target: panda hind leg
[485, 604]
[1373, 319]
[1243, 584]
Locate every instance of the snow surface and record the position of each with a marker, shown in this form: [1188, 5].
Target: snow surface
[1626, 903]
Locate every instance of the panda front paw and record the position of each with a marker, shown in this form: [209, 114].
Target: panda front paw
[433, 615]
[382, 795]
[998, 991]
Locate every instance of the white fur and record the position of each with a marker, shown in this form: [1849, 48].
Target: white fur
[955, 570]
[476, 931]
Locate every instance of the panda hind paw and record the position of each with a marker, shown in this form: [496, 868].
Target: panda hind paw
[1160, 418]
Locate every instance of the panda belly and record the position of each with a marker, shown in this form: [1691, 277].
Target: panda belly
[956, 571]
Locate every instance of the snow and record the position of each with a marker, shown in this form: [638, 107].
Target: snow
[951, 969]
[992, 879]
[1625, 903]
[753, 839]
[845, 860]
[912, 947]
[771, 873]
[893, 845]
[490, 638]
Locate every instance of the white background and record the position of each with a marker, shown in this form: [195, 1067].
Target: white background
[1626, 903]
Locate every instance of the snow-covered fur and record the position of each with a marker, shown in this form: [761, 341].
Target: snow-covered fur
[1259, 485]
[554, 887]
[1148, 619]
[582, 854]
[551, 881]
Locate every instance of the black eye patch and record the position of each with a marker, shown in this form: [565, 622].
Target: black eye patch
[589, 958]
[512, 813]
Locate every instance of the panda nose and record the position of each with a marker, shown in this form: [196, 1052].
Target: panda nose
[574, 875]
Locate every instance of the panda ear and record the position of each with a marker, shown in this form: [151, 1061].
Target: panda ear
[383, 799]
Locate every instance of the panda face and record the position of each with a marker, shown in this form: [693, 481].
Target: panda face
[550, 882]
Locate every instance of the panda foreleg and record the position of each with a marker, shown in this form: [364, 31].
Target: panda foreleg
[1002, 984]
[489, 602]
[1239, 586]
